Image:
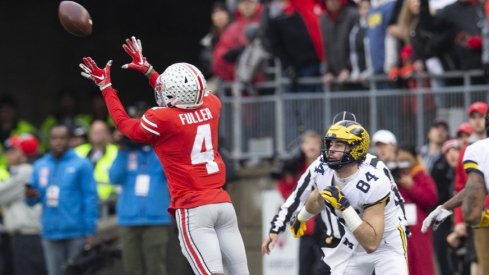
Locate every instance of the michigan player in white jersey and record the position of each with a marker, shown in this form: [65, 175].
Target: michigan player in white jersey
[305, 186]
[365, 233]
[471, 198]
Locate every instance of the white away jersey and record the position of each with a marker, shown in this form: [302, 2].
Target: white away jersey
[476, 159]
[368, 187]
[316, 172]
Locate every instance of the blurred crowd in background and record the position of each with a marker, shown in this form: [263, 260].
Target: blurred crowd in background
[345, 42]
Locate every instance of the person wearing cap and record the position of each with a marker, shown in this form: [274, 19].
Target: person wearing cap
[21, 221]
[63, 183]
[385, 144]
[464, 132]
[477, 112]
[443, 173]
[437, 135]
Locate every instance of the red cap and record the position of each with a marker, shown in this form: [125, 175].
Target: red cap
[465, 127]
[479, 106]
[27, 143]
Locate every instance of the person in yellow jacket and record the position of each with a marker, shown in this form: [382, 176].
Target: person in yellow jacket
[10, 125]
[102, 154]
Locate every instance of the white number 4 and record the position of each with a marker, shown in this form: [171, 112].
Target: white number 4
[204, 137]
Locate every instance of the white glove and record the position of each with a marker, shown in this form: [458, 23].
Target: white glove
[435, 218]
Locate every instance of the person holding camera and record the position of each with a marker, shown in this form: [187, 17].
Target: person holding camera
[420, 194]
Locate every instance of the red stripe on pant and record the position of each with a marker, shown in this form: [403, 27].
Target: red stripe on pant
[188, 243]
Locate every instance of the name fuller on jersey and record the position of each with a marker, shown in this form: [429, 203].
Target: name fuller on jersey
[195, 116]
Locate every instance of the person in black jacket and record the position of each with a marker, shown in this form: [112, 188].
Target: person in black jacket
[287, 36]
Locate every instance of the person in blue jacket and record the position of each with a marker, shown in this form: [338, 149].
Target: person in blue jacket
[141, 208]
[63, 183]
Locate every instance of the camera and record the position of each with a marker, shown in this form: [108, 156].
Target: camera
[399, 168]
[291, 164]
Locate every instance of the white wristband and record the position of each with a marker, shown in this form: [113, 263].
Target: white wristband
[105, 86]
[304, 215]
[149, 71]
[352, 220]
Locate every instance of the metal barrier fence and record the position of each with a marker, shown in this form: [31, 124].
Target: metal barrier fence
[263, 125]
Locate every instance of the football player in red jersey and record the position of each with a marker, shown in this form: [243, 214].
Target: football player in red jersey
[183, 131]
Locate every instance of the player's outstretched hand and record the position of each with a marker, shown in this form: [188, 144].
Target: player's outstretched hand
[435, 218]
[101, 77]
[334, 196]
[134, 48]
[297, 227]
[269, 243]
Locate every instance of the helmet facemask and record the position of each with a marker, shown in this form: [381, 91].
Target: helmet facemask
[334, 163]
[355, 138]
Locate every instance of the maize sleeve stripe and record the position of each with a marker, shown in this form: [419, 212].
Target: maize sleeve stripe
[385, 199]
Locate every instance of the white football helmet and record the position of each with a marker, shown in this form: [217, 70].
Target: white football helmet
[181, 85]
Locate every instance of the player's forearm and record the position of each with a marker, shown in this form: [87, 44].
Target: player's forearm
[368, 237]
[473, 199]
[114, 105]
[315, 203]
[455, 201]
[127, 125]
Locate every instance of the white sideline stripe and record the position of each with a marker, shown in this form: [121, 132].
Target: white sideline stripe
[149, 130]
[149, 122]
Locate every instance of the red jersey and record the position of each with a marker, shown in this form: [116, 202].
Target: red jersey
[185, 142]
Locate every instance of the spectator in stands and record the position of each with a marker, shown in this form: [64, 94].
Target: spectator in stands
[464, 132]
[465, 36]
[310, 253]
[407, 30]
[79, 135]
[220, 20]
[437, 135]
[476, 239]
[288, 34]
[336, 24]
[232, 41]
[361, 67]
[382, 46]
[419, 192]
[10, 124]
[443, 173]
[101, 153]
[98, 111]
[66, 114]
[385, 144]
[21, 221]
[141, 209]
[63, 183]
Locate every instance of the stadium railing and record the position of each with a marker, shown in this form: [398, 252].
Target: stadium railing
[264, 119]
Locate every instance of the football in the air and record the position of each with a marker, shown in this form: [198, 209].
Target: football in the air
[75, 18]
